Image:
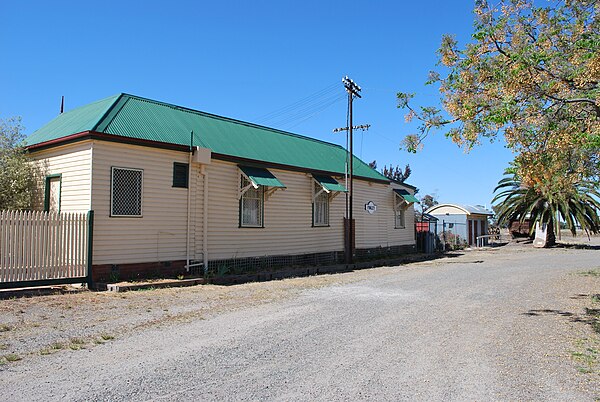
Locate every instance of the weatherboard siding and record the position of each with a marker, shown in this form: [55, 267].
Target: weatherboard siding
[160, 234]
[287, 218]
[73, 163]
[377, 229]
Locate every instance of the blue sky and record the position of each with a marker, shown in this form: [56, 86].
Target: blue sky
[247, 60]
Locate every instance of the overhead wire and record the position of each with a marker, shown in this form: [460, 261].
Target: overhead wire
[300, 113]
[315, 97]
[306, 114]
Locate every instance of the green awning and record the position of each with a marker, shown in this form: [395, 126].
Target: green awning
[329, 183]
[408, 197]
[261, 177]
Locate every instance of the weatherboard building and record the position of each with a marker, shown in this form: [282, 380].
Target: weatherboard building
[247, 196]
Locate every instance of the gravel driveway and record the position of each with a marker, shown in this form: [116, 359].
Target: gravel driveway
[502, 324]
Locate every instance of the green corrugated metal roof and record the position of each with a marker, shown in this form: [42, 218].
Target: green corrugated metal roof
[83, 118]
[329, 183]
[261, 177]
[134, 117]
[406, 195]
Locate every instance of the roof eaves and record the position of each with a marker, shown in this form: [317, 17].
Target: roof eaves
[403, 184]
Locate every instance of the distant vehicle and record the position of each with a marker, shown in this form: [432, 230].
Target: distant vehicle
[520, 229]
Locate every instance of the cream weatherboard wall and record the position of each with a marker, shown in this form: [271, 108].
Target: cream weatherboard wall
[377, 229]
[160, 234]
[287, 218]
[73, 163]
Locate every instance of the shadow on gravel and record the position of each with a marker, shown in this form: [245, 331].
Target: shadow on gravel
[547, 311]
[590, 317]
[576, 246]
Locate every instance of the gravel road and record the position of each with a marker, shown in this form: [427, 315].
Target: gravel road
[488, 325]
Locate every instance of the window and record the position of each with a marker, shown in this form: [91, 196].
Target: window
[399, 224]
[126, 192]
[251, 204]
[400, 206]
[320, 206]
[180, 175]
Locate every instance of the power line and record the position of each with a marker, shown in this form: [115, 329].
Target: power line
[317, 112]
[310, 110]
[315, 97]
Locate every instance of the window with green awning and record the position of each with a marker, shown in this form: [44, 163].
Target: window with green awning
[408, 197]
[329, 184]
[261, 177]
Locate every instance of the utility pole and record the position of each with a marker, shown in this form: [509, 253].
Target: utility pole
[353, 91]
[363, 127]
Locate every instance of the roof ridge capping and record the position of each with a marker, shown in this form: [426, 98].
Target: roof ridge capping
[230, 119]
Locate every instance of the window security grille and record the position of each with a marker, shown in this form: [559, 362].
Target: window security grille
[180, 174]
[252, 205]
[126, 194]
[320, 207]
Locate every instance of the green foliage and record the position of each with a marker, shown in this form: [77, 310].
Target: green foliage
[575, 206]
[394, 173]
[19, 177]
[530, 74]
[428, 201]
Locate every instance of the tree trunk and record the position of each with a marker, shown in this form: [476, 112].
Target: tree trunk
[550, 234]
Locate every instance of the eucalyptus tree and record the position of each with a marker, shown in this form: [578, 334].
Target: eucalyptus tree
[530, 74]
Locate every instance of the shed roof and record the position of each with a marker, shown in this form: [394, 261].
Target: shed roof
[467, 209]
[132, 117]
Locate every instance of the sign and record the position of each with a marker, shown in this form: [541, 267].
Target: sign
[370, 207]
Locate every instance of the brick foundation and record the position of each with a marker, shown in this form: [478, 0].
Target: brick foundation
[107, 273]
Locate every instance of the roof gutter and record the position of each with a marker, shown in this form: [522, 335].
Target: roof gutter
[94, 135]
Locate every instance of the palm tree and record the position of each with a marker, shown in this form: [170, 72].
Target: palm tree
[575, 206]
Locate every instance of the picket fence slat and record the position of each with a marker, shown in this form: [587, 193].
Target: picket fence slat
[36, 245]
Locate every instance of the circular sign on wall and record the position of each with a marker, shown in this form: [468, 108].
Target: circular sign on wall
[370, 207]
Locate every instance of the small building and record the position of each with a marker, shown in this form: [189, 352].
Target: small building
[465, 221]
[173, 187]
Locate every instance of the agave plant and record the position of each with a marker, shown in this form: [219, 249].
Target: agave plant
[574, 206]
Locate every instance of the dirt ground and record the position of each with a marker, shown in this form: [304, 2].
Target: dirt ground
[46, 324]
[64, 324]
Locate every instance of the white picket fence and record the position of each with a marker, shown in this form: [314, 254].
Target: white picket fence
[42, 246]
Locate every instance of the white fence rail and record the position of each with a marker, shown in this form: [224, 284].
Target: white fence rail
[40, 246]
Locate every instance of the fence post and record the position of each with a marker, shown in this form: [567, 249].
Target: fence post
[90, 241]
